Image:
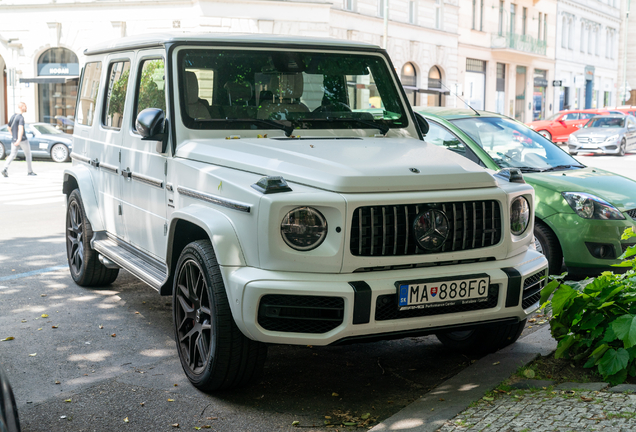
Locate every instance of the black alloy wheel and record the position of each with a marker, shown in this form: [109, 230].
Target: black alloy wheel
[83, 261]
[214, 354]
[193, 317]
[622, 148]
[548, 244]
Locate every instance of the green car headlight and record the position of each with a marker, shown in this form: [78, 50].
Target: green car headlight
[592, 207]
[304, 228]
[519, 215]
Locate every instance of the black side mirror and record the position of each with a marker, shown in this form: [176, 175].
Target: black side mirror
[423, 124]
[151, 124]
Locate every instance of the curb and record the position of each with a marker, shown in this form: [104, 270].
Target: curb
[453, 396]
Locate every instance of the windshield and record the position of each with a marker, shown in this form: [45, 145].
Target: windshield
[243, 89]
[44, 128]
[554, 117]
[513, 145]
[605, 122]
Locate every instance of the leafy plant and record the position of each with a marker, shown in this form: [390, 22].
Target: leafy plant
[594, 321]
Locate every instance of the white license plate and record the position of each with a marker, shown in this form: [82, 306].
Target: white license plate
[429, 293]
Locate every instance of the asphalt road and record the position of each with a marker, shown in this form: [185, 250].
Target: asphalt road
[105, 360]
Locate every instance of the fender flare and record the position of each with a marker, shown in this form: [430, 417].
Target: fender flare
[79, 177]
[218, 228]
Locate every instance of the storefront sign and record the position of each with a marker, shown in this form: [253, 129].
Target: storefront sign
[557, 83]
[58, 69]
[540, 82]
[589, 73]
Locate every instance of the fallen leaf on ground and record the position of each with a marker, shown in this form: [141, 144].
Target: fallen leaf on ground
[23, 321]
[126, 420]
[42, 295]
[170, 400]
[45, 316]
[137, 312]
[531, 320]
[68, 400]
[101, 326]
[33, 355]
[586, 399]
[53, 326]
[142, 403]
[57, 382]
[7, 339]
[486, 398]
[113, 335]
[334, 394]
[496, 363]
[175, 425]
[529, 373]
[211, 418]
[40, 329]
[295, 423]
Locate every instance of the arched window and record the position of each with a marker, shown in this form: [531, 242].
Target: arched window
[564, 33]
[435, 87]
[409, 81]
[58, 70]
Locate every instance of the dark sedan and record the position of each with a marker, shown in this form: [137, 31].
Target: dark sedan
[45, 139]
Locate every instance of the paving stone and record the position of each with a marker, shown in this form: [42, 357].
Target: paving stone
[595, 386]
[622, 388]
[530, 384]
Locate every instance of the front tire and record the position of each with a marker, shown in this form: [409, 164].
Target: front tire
[546, 134]
[622, 148]
[482, 340]
[214, 354]
[59, 153]
[83, 261]
[548, 244]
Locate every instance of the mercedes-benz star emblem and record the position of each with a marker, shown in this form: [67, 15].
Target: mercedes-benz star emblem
[431, 229]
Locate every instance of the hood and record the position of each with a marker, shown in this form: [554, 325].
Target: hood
[63, 138]
[599, 132]
[540, 124]
[613, 188]
[346, 165]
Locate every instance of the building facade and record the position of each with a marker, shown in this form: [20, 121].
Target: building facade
[627, 55]
[587, 54]
[42, 41]
[506, 56]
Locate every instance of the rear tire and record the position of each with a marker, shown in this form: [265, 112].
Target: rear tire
[482, 340]
[548, 244]
[546, 134]
[59, 153]
[573, 153]
[622, 148]
[83, 261]
[214, 354]
[3, 151]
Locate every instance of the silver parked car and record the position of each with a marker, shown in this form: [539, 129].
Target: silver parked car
[46, 141]
[607, 134]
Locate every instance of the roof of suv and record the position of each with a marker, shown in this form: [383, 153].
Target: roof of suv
[160, 39]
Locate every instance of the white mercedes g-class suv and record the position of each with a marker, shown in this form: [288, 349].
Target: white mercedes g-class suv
[282, 192]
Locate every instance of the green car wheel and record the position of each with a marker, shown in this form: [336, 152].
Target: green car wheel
[548, 244]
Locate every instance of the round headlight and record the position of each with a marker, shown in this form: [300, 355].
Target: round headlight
[304, 228]
[519, 215]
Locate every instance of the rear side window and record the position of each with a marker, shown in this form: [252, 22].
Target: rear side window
[118, 73]
[151, 88]
[587, 115]
[88, 93]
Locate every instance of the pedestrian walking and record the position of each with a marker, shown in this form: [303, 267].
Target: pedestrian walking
[17, 126]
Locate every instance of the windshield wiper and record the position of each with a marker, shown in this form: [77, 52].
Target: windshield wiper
[370, 123]
[275, 124]
[530, 169]
[560, 167]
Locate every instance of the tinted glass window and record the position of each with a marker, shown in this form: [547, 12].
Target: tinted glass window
[571, 116]
[606, 122]
[115, 100]
[151, 89]
[88, 93]
[224, 89]
[442, 137]
[587, 115]
[514, 145]
[44, 128]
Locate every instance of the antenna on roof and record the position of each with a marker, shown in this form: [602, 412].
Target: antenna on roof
[457, 96]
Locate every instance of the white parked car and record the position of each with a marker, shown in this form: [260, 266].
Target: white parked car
[279, 189]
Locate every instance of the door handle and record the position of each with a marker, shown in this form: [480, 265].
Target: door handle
[126, 173]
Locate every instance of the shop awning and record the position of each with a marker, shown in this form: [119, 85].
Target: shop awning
[48, 80]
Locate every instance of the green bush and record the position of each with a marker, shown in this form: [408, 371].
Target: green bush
[594, 321]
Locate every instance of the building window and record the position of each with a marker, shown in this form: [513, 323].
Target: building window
[545, 27]
[524, 20]
[435, 87]
[481, 15]
[590, 42]
[474, 27]
[564, 33]
[501, 17]
[475, 85]
[583, 34]
[438, 14]
[513, 17]
[381, 8]
[409, 81]
[58, 96]
[571, 36]
[412, 12]
[501, 88]
[348, 4]
[539, 29]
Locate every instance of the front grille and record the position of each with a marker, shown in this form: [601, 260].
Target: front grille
[424, 265]
[386, 307]
[532, 286]
[300, 314]
[631, 213]
[388, 230]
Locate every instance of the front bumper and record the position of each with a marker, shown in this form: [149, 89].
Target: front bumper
[366, 311]
[602, 148]
[575, 234]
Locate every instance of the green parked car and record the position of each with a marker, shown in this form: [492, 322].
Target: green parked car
[580, 211]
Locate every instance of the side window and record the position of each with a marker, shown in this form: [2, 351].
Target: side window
[151, 87]
[587, 115]
[571, 116]
[88, 93]
[115, 100]
[442, 137]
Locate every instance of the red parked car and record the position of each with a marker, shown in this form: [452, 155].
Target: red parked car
[559, 127]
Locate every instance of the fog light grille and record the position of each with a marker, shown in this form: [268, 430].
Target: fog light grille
[300, 314]
[532, 287]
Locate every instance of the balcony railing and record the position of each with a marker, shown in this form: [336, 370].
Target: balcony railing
[518, 42]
